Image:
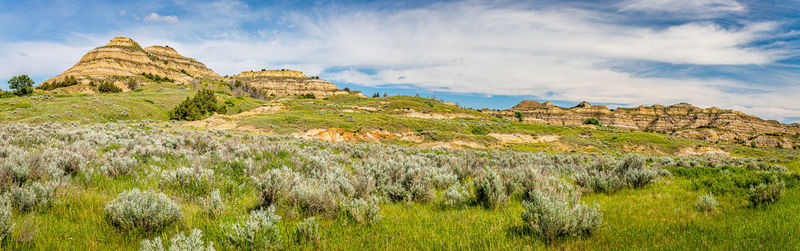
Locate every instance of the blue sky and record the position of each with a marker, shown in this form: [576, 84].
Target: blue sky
[733, 54]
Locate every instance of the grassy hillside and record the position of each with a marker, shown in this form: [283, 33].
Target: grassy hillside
[151, 101]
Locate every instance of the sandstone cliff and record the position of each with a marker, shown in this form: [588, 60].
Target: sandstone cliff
[682, 120]
[123, 57]
[287, 83]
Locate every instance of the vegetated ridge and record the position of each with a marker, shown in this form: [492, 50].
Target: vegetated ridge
[682, 120]
[285, 83]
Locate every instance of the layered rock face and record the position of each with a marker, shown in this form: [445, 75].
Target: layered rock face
[683, 120]
[287, 83]
[124, 57]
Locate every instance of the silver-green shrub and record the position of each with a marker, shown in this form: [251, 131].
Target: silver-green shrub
[5, 216]
[258, 230]
[142, 210]
[552, 216]
[213, 204]
[490, 191]
[633, 170]
[273, 183]
[151, 245]
[32, 195]
[363, 211]
[456, 196]
[766, 192]
[706, 203]
[192, 242]
[118, 164]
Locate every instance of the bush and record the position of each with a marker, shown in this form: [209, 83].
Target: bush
[601, 177]
[118, 164]
[556, 215]
[363, 211]
[214, 204]
[490, 191]
[633, 170]
[706, 203]
[32, 195]
[592, 121]
[192, 242]
[156, 77]
[132, 84]
[108, 87]
[5, 217]
[767, 193]
[179, 242]
[142, 210]
[49, 86]
[272, 184]
[307, 230]
[519, 116]
[203, 104]
[479, 130]
[308, 96]
[258, 230]
[456, 196]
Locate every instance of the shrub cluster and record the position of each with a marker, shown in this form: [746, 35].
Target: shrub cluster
[203, 104]
[179, 242]
[609, 176]
[5, 217]
[363, 211]
[258, 230]
[552, 216]
[142, 210]
[108, 87]
[194, 181]
[490, 191]
[156, 77]
[766, 193]
[49, 86]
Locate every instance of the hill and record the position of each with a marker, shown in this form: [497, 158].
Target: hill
[123, 57]
[682, 120]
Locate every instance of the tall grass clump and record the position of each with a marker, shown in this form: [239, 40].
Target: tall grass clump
[259, 230]
[142, 210]
[213, 205]
[490, 191]
[195, 181]
[766, 192]
[307, 231]
[552, 216]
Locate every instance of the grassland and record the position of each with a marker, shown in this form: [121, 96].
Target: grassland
[660, 215]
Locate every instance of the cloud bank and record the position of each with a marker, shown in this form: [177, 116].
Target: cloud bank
[552, 52]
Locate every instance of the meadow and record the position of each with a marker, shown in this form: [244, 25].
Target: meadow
[153, 186]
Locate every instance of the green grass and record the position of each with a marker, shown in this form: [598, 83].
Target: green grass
[149, 102]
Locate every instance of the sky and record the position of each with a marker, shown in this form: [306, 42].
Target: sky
[733, 54]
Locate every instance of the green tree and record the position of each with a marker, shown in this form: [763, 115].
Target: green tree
[22, 85]
[203, 104]
[519, 116]
[187, 110]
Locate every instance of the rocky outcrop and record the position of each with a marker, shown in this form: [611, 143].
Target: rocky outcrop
[682, 120]
[123, 57]
[286, 83]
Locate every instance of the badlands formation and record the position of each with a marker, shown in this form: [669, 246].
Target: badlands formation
[286, 83]
[682, 120]
[123, 57]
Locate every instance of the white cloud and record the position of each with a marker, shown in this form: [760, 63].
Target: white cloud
[494, 49]
[153, 17]
[693, 7]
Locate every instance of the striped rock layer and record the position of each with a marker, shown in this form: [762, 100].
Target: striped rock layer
[124, 57]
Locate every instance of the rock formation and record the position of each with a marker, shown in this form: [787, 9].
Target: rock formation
[682, 120]
[123, 57]
[286, 83]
